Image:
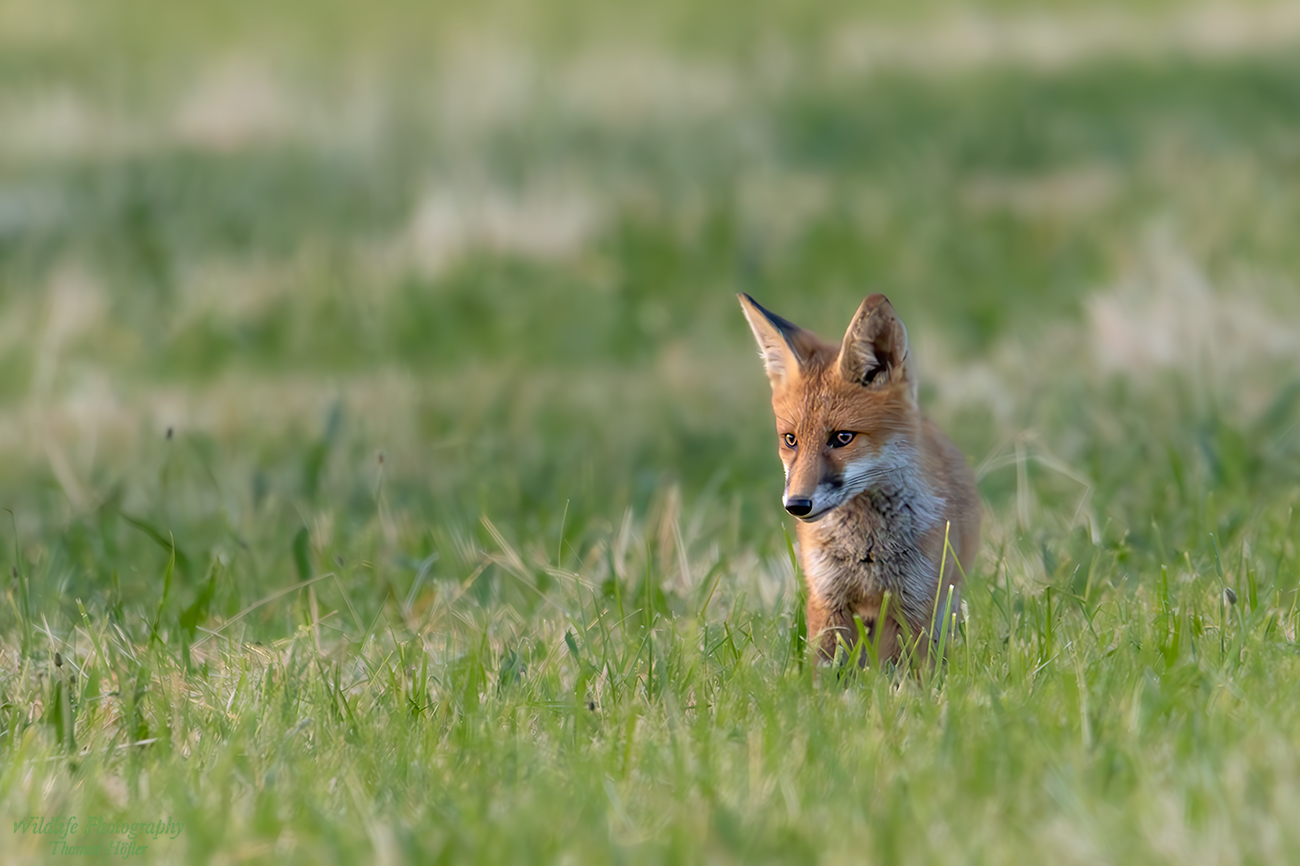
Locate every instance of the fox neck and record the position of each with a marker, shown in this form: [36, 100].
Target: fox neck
[871, 543]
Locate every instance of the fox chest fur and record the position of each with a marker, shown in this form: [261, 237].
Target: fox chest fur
[871, 546]
[887, 509]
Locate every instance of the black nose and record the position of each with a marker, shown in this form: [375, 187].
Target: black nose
[798, 507]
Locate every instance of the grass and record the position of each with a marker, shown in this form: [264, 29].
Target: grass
[391, 473]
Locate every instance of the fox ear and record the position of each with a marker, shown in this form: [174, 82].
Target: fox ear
[782, 344]
[874, 352]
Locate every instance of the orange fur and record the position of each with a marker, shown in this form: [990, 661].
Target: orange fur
[875, 485]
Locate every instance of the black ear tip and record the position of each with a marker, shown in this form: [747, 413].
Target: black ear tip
[787, 328]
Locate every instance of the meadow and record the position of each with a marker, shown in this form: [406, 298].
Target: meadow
[389, 474]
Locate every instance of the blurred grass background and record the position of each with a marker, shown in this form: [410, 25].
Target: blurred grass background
[452, 289]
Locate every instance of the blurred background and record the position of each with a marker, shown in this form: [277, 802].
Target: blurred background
[384, 270]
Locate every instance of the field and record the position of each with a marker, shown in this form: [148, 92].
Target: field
[389, 473]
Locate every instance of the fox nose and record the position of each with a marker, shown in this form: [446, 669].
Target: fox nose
[798, 507]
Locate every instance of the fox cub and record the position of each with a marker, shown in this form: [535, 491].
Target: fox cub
[876, 487]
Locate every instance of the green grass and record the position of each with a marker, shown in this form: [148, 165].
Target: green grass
[392, 472]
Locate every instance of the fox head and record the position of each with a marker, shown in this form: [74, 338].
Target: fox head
[846, 415]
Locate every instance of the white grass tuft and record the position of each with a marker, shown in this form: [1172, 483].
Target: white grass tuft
[235, 104]
[547, 222]
[1165, 314]
[967, 39]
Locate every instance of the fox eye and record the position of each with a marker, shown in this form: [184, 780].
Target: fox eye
[789, 440]
[840, 438]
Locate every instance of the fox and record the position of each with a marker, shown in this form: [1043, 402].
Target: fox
[886, 506]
